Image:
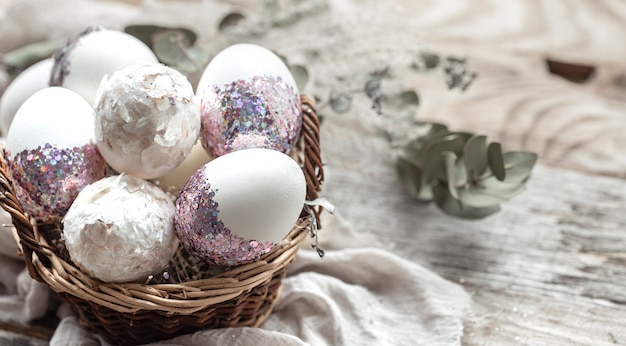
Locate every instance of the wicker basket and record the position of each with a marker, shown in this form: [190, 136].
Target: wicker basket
[194, 296]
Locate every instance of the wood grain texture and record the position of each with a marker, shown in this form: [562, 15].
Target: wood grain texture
[550, 268]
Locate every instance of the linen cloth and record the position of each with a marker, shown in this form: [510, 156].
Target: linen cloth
[358, 294]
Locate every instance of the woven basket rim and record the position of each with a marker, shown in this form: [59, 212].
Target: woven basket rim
[180, 298]
[183, 298]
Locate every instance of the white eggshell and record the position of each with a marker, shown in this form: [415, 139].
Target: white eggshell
[260, 192]
[53, 115]
[81, 65]
[121, 229]
[240, 205]
[31, 80]
[177, 178]
[249, 99]
[242, 61]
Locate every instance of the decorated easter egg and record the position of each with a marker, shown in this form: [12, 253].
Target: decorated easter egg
[121, 229]
[31, 80]
[177, 178]
[93, 54]
[147, 120]
[239, 206]
[249, 99]
[52, 153]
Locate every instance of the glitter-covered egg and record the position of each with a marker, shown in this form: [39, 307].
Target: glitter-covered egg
[31, 80]
[239, 206]
[97, 52]
[249, 99]
[52, 152]
[121, 229]
[147, 120]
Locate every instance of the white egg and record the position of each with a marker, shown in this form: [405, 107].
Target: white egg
[177, 178]
[52, 152]
[121, 229]
[31, 80]
[242, 61]
[147, 120]
[237, 207]
[95, 53]
[249, 99]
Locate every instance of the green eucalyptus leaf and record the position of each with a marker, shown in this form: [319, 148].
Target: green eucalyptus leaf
[479, 197]
[496, 160]
[410, 175]
[340, 102]
[21, 58]
[372, 86]
[475, 154]
[421, 133]
[434, 166]
[300, 75]
[230, 20]
[412, 153]
[519, 165]
[449, 159]
[174, 47]
[402, 106]
[461, 173]
[431, 60]
[146, 33]
[426, 191]
[446, 202]
[196, 58]
[503, 189]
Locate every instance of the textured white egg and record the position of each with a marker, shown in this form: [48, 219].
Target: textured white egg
[147, 120]
[249, 99]
[93, 54]
[52, 152]
[31, 80]
[239, 206]
[121, 229]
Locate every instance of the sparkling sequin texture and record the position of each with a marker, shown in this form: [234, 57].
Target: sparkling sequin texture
[260, 112]
[204, 235]
[48, 179]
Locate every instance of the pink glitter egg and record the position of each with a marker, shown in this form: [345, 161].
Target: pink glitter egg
[249, 99]
[51, 151]
[239, 206]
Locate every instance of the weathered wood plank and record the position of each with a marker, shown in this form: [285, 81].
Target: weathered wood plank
[547, 269]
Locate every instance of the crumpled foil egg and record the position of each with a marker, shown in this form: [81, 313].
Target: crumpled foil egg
[147, 120]
[121, 229]
[249, 99]
[52, 152]
[239, 206]
[31, 80]
[93, 54]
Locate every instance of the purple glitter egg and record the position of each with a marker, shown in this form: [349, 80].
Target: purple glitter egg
[48, 179]
[239, 206]
[52, 154]
[259, 112]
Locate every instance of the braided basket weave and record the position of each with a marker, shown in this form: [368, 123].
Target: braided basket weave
[194, 296]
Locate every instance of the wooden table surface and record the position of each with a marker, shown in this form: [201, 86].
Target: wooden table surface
[550, 268]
